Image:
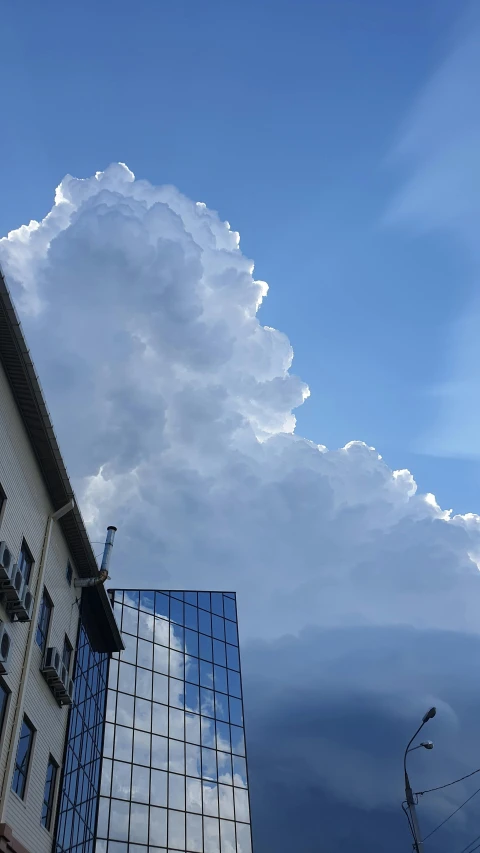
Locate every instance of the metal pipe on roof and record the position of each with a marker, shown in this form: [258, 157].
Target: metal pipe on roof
[103, 573]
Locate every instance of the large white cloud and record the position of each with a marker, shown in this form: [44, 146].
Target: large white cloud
[174, 408]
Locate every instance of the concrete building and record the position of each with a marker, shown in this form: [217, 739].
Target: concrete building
[44, 614]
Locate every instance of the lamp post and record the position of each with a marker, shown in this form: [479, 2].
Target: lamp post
[417, 838]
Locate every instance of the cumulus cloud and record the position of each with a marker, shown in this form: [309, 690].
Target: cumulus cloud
[175, 412]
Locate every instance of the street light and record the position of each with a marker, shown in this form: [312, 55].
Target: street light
[417, 842]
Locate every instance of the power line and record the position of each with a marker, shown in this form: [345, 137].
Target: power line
[405, 811]
[453, 813]
[464, 849]
[440, 787]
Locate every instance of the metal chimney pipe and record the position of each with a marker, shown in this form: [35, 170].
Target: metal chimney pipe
[103, 573]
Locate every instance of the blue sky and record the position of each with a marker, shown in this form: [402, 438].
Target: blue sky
[283, 116]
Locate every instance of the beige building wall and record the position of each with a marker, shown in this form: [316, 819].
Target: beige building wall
[25, 516]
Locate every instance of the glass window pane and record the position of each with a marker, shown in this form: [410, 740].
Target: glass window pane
[231, 634]
[193, 760]
[233, 661]
[140, 784]
[177, 664]
[219, 655]
[218, 627]
[158, 826]
[144, 654]
[119, 812]
[111, 703]
[211, 838]
[158, 788]
[206, 674]
[176, 593]
[131, 597]
[126, 677]
[160, 659]
[176, 830]
[241, 804]
[224, 760]
[210, 799]
[159, 719]
[191, 598]
[192, 728]
[138, 823]
[141, 748]
[234, 686]
[176, 756]
[208, 732]
[160, 688]
[236, 712]
[159, 752]
[191, 670]
[217, 603]
[130, 621]
[106, 776]
[129, 654]
[209, 764]
[103, 813]
[176, 792]
[204, 622]
[113, 674]
[229, 609]
[194, 833]
[177, 694]
[221, 707]
[177, 724]
[227, 836]
[176, 611]
[147, 600]
[162, 632]
[144, 683]
[123, 743]
[191, 617]
[221, 679]
[225, 797]
[194, 795]
[244, 840]
[108, 740]
[162, 604]
[204, 600]
[238, 740]
[191, 642]
[239, 771]
[143, 714]
[177, 637]
[121, 780]
[206, 702]
[192, 698]
[223, 736]
[145, 625]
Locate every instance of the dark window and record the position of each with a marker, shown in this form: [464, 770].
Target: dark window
[49, 793]
[67, 654]
[69, 573]
[44, 617]
[4, 694]
[22, 761]
[3, 499]
[25, 562]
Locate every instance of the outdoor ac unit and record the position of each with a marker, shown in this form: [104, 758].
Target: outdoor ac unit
[52, 667]
[6, 561]
[22, 608]
[13, 588]
[64, 694]
[5, 646]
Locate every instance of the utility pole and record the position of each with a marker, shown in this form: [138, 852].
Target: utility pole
[411, 805]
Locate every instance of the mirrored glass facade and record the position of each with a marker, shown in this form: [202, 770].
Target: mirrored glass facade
[80, 781]
[174, 773]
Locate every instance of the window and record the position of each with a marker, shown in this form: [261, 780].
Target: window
[69, 573]
[49, 793]
[22, 761]
[3, 500]
[67, 654]
[4, 694]
[25, 562]
[44, 617]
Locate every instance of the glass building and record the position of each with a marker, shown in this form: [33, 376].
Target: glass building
[174, 773]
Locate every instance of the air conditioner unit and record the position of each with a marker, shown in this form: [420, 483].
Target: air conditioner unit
[6, 560]
[65, 694]
[52, 667]
[13, 588]
[7, 572]
[23, 608]
[5, 646]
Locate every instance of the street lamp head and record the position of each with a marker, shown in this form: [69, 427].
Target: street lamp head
[427, 744]
[429, 715]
